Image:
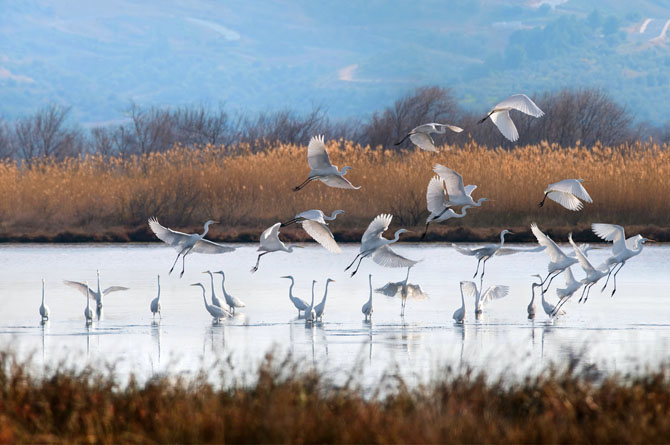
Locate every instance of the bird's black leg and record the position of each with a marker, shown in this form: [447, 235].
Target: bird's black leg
[174, 264]
[553, 275]
[619, 270]
[289, 222]
[542, 202]
[352, 263]
[255, 268]
[477, 271]
[359, 265]
[483, 270]
[424, 232]
[608, 279]
[304, 183]
[183, 265]
[584, 292]
[403, 139]
[486, 117]
[588, 291]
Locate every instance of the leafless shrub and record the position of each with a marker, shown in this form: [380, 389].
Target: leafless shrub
[46, 134]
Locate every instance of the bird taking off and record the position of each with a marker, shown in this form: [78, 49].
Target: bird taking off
[567, 193]
[500, 114]
[322, 169]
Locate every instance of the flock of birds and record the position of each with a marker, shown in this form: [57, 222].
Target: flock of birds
[446, 191]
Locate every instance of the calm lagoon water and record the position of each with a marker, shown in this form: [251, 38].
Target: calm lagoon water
[625, 333]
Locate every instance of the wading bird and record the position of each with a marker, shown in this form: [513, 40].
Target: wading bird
[322, 169]
[216, 301]
[310, 313]
[593, 275]
[549, 308]
[321, 307]
[88, 312]
[500, 114]
[314, 223]
[156, 302]
[559, 260]
[421, 135]
[216, 312]
[96, 294]
[367, 306]
[531, 305]
[299, 303]
[459, 194]
[232, 301]
[492, 293]
[44, 309]
[567, 193]
[270, 242]
[186, 243]
[375, 245]
[459, 314]
[436, 202]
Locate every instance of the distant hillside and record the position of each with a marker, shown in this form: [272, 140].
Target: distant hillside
[352, 57]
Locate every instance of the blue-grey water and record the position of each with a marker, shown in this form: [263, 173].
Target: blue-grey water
[625, 333]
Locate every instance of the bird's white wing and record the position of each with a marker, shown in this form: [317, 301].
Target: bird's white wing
[569, 277]
[339, 182]
[111, 289]
[469, 288]
[504, 123]
[81, 287]
[207, 246]
[583, 261]
[171, 237]
[414, 292]
[631, 243]
[390, 289]
[494, 293]
[270, 237]
[314, 215]
[385, 256]
[452, 179]
[436, 195]
[513, 250]
[423, 141]
[317, 156]
[463, 250]
[453, 128]
[611, 232]
[469, 189]
[567, 200]
[522, 103]
[554, 252]
[571, 186]
[322, 235]
[377, 227]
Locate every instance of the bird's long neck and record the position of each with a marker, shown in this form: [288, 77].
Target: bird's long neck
[370, 298]
[396, 237]
[43, 292]
[290, 288]
[99, 293]
[223, 284]
[532, 298]
[313, 283]
[480, 201]
[289, 249]
[204, 299]
[88, 300]
[462, 298]
[325, 294]
[206, 230]
[462, 214]
[211, 281]
[332, 216]
[159, 289]
[502, 238]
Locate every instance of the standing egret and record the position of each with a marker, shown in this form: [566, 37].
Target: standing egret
[156, 302]
[375, 245]
[492, 293]
[549, 309]
[531, 305]
[231, 300]
[459, 194]
[88, 312]
[593, 275]
[559, 259]
[310, 313]
[215, 311]
[322, 169]
[622, 249]
[314, 223]
[421, 137]
[96, 294]
[321, 307]
[185, 243]
[367, 306]
[299, 303]
[270, 242]
[44, 309]
[567, 193]
[216, 301]
[500, 114]
[459, 314]
[436, 202]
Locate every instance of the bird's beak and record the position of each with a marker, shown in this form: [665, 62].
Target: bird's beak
[511, 233]
[651, 240]
[216, 222]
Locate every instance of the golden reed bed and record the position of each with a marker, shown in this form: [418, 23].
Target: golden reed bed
[630, 185]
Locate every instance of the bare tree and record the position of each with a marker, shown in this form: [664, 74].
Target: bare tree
[46, 134]
[6, 144]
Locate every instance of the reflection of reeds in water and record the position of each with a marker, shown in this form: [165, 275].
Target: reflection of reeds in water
[629, 185]
[288, 403]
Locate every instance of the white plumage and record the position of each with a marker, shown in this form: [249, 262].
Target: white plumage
[567, 193]
[421, 135]
[270, 242]
[322, 169]
[459, 194]
[491, 293]
[299, 303]
[499, 114]
[367, 306]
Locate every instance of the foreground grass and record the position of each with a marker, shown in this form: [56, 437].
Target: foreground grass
[288, 404]
[109, 199]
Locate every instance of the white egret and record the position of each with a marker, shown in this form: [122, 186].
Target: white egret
[322, 169]
[44, 309]
[412, 291]
[375, 245]
[96, 294]
[571, 285]
[156, 302]
[270, 242]
[549, 308]
[492, 293]
[215, 311]
[593, 275]
[299, 303]
[421, 137]
[314, 223]
[499, 114]
[88, 312]
[531, 305]
[459, 194]
[321, 307]
[567, 193]
[559, 259]
[367, 306]
[622, 249]
[310, 313]
[436, 202]
[216, 301]
[459, 314]
[232, 301]
[186, 243]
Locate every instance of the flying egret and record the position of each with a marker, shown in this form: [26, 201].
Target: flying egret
[593, 275]
[459, 314]
[459, 194]
[500, 114]
[567, 193]
[549, 309]
[216, 301]
[96, 294]
[492, 293]
[314, 223]
[270, 242]
[88, 312]
[559, 259]
[44, 309]
[436, 202]
[421, 137]
[622, 249]
[375, 245]
[186, 243]
[321, 307]
[322, 169]
[156, 302]
[367, 306]
[299, 303]
[571, 285]
[310, 313]
[232, 301]
[215, 311]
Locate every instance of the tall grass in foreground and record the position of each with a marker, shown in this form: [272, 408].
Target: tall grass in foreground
[288, 404]
[629, 184]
